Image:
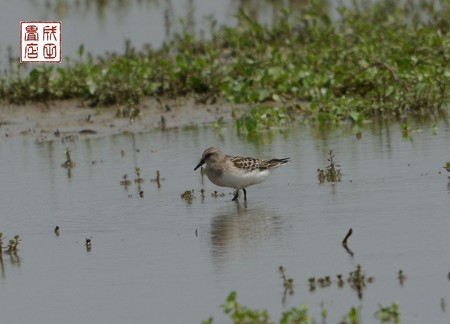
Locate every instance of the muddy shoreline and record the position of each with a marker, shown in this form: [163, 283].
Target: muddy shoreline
[69, 119]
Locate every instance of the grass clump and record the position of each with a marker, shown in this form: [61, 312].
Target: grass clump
[384, 58]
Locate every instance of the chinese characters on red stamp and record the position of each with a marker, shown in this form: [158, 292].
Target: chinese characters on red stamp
[40, 41]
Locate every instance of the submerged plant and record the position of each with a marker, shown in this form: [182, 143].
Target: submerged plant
[331, 173]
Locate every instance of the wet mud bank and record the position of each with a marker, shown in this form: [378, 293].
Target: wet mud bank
[68, 119]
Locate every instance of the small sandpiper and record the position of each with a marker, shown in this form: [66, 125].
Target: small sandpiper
[236, 171]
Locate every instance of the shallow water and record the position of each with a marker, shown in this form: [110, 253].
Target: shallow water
[158, 259]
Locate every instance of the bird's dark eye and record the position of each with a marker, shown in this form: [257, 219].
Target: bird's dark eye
[207, 156]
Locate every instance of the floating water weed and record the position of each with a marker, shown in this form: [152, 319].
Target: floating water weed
[68, 164]
[331, 173]
[357, 281]
[188, 196]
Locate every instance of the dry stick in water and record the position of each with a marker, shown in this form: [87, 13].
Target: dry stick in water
[350, 231]
[344, 242]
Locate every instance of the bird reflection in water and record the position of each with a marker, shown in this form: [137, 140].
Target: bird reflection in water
[238, 230]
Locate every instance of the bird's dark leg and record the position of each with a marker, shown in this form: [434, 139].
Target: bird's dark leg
[245, 193]
[236, 195]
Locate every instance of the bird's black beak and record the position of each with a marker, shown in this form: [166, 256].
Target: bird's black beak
[199, 164]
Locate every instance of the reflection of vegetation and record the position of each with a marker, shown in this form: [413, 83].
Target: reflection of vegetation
[125, 182]
[331, 173]
[158, 179]
[288, 284]
[378, 58]
[138, 178]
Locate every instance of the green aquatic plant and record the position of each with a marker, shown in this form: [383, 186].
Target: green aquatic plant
[382, 58]
[69, 163]
[264, 117]
[331, 173]
[352, 317]
[389, 314]
[240, 314]
[447, 166]
[356, 279]
[188, 196]
[12, 245]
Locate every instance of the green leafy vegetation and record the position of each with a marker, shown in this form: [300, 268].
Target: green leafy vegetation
[384, 58]
[240, 314]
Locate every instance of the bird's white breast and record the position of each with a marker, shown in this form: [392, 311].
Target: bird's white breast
[238, 180]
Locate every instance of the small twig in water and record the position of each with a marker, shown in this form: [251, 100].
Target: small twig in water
[350, 231]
